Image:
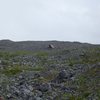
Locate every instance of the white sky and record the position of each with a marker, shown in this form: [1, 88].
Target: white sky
[66, 20]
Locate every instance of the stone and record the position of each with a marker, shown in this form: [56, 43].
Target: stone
[36, 75]
[38, 94]
[44, 87]
[37, 98]
[9, 96]
[51, 46]
[62, 74]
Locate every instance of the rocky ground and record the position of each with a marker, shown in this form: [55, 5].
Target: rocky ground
[69, 71]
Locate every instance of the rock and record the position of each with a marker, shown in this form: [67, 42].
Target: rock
[21, 83]
[38, 98]
[44, 87]
[20, 77]
[26, 91]
[30, 87]
[68, 89]
[51, 46]
[17, 92]
[36, 75]
[38, 94]
[63, 74]
[9, 96]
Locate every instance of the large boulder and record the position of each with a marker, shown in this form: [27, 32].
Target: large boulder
[51, 46]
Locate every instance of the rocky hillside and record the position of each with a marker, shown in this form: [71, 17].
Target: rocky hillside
[9, 45]
[33, 70]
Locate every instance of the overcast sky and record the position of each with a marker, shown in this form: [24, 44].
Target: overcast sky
[66, 20]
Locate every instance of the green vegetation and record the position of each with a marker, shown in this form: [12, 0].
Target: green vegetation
[88, 82]
[41, 54]
[91, 56]
[51, 75]
[7, 55]
[71, 61]
[49, 64]
[13, 70]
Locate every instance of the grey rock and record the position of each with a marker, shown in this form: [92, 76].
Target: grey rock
[44, 87]
[36, 75]
[38, 98]
[9, 96]
[38, 94]
[51, 46]
[63, 74]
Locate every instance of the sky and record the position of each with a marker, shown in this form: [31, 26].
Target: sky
[64, 20]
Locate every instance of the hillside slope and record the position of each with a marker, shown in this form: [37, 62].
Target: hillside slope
[29, 70]
[9, 45]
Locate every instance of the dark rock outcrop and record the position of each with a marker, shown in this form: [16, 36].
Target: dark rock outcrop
[51, 46]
